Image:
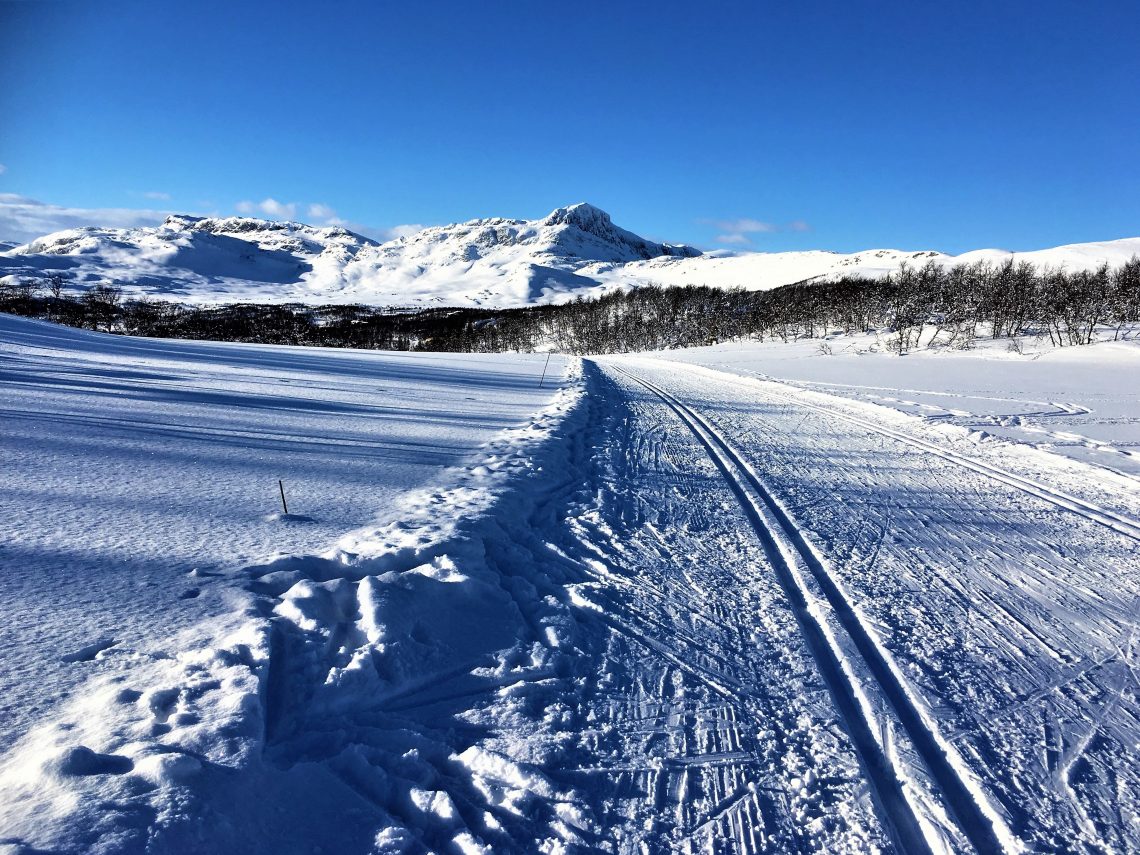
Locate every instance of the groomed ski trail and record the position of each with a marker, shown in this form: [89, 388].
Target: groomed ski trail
[790, 555]
[1003, 605]
[1119, 523]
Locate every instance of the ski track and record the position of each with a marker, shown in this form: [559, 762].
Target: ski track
[1005, 605]
[678, 612]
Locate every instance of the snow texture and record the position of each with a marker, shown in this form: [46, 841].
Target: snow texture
[678, 608]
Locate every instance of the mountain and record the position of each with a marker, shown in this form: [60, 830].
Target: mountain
[195, 259]
[576, 250]
[495, 261]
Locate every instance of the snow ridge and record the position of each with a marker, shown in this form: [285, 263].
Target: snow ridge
[492, 261]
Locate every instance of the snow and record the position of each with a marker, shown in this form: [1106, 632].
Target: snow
[761, 271]
[1080, 402]
[138, 473]
[482, 262]
[999, 585]
[667, 605]
[495, 262]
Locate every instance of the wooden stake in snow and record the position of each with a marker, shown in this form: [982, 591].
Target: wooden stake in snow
[543, 377]
[284, 506]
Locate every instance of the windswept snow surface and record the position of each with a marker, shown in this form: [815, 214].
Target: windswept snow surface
[679, 609]
[136, 473]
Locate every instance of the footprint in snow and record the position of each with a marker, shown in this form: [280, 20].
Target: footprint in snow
[89, 651]
[81, 760]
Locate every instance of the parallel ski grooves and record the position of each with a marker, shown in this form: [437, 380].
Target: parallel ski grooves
[884, 782]
[1116, 522]
[978, 827]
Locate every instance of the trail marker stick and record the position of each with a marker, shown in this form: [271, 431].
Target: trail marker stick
[544, 367]
[284, 506]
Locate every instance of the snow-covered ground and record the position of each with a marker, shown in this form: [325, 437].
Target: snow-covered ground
[759, 271]
[137, 473]
[1081, 402]
[666, 608]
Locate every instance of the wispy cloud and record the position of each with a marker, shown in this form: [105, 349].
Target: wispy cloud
[738, 232]
[744, 225]
[735, 238]
[23, 219]
[269, 207]
[157, 195]
[3, 169]
[320, 211]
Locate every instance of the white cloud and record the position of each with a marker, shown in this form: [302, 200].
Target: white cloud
[273, 208]
[23, 219]
[320, 211]
[3, 169]
[738, 232]
[406, 230]
[269, 207]
[745, 225]
[157, 195]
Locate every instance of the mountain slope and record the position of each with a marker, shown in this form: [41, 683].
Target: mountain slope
[758, 271]
[495, 262]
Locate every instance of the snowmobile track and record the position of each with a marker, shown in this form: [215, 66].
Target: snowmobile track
[789, 552]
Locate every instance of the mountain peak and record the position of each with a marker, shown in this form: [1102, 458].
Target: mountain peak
[584, 221]
[582, 214]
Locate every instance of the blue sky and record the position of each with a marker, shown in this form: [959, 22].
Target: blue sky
[744, 125]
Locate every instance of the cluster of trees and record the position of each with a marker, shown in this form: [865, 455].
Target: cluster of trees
[927, 306]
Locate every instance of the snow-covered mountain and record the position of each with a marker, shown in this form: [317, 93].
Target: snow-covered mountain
[495, 261]
[576, 250]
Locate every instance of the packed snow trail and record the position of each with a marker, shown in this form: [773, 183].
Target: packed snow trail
[676, 611]
[791, 557]
[1005, 608]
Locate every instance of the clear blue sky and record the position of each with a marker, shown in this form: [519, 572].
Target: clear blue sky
[951, 125]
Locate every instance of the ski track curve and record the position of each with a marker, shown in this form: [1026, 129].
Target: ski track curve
[788, 550]
[1005, 612]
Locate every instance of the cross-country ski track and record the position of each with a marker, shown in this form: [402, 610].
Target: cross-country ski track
[677, 610]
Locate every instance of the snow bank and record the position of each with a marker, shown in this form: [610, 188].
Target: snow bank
[376, 697]
[138, 475]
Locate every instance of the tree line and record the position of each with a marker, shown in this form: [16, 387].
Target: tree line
[914, 307]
